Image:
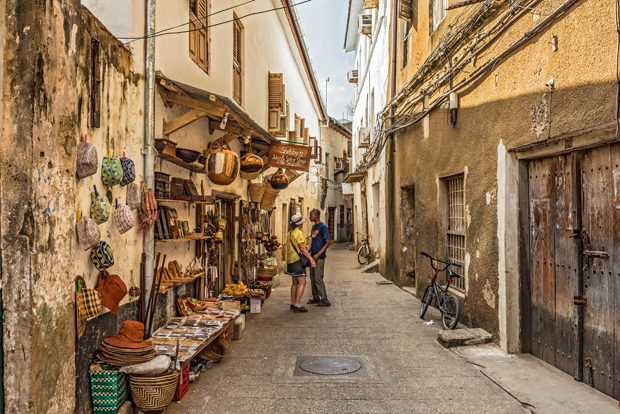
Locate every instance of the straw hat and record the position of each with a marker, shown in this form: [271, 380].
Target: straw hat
[298, 220]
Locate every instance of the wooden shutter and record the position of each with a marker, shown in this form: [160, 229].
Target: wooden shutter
[291, 135]
[198, 35]
[314, 145]
[276, 91]
[284, 123]
[306, 135]
[237, 60]
[319, 155]
[297, 127]
[406, 10]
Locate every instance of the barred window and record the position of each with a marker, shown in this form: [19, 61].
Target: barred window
[455, 229]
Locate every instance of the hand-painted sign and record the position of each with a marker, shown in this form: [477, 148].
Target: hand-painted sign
[290, 156]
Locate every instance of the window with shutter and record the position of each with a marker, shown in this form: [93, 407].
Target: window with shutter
[276, 90]
[198, 34]
[284, 124]
[297, 127]
[306, 135]
[237, 60]
[312, 141]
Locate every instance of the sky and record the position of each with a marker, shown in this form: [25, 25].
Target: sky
[324, 23]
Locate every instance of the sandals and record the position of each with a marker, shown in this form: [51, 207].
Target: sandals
[298, 309]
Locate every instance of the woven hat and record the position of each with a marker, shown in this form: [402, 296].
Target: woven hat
[99, 207]
[131, 335]
[111, 171]
[298, 220]
[123, 217]
[129, 170]
[112, 290]
[101, 256]
[88, 233]
[132, 197]
[86, 159]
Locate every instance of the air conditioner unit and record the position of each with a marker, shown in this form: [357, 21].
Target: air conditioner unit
[371, 4]
[352, 75]
[365, 24]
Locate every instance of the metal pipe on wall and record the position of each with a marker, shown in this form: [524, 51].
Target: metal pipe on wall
[149, 130]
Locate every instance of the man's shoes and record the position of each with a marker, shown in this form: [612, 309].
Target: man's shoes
[313, 301]
[299, 309]
[324, 303]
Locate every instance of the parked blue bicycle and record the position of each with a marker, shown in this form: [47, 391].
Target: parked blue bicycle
[448, 305]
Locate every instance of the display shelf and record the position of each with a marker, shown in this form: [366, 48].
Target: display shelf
[169, 200]
[168, 284]
[177, 161]
[184, 239]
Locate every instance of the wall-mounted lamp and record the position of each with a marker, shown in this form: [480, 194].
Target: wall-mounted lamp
[453, 108]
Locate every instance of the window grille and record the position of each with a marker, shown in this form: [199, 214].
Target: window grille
[455, 237]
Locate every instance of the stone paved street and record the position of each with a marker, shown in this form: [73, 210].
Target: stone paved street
[406, 369]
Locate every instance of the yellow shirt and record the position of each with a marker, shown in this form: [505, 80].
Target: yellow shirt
[297, 237]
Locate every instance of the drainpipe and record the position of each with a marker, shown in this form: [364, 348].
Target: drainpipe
[391, 167]
[149, 124]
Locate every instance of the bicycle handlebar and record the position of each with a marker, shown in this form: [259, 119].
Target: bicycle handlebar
[440, 261]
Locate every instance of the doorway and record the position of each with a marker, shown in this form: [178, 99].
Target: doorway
[226, 260]
[572, 320]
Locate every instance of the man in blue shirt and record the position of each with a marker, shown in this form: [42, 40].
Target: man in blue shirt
[320, 243]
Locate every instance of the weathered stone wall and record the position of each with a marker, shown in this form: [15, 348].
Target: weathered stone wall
[37, 191]
[510, 104]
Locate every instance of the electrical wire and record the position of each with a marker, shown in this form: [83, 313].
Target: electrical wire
[133, 39]
[408, 120]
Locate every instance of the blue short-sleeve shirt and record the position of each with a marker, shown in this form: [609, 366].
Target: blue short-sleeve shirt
[320, 235]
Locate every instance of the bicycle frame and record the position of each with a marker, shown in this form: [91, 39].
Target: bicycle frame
[436, 285]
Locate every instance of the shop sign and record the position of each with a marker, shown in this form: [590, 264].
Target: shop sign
[290, 156]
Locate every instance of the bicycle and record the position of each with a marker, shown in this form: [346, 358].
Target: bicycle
[448, 305]
[363, 253]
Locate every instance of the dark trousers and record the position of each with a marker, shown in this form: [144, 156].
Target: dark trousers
[316, 278]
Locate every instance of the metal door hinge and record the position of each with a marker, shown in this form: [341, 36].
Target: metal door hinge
[580, 300]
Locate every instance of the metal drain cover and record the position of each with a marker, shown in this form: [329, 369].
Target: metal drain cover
[330, 365]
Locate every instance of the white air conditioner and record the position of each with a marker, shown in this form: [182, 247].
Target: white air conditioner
[352, 75]
[365, 24]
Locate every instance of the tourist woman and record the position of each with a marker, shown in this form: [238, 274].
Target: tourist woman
[297, 259]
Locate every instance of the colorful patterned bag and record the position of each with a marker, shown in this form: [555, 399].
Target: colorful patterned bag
[108, 389]
[88, 301]
[129, 170]
[86, 159]
[123, 217]
[111, 171]
[87, 232]
[101, 255]
[99, 207]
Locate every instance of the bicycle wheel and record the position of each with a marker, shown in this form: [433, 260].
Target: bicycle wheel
[451, 312]
[427, 298]
[363, 254]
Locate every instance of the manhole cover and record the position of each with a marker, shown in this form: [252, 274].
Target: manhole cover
[330, 365]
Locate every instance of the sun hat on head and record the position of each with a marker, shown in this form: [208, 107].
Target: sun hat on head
[298, 220]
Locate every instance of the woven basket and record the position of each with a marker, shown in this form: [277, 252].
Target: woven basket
[216, 351]
[108, 390]
[153, 393]
[268, 202]
[256, 191]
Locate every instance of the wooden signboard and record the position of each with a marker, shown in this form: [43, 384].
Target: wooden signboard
[290, 156]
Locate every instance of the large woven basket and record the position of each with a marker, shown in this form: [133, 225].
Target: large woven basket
[268, 202]
[216, 351]
[153, 393]
[256, 191]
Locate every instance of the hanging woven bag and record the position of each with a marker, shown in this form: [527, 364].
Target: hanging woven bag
[123, 217]
[99, 207]
[88, 300]
[87, 231]
[86, 159]
[129, 170]
[132, 197]
[101, 255]
[111, 171]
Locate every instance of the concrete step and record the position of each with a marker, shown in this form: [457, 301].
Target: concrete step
[463, 337]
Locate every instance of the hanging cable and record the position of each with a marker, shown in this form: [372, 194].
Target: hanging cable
[133, 39]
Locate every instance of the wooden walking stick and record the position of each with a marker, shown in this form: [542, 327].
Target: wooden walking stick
[156, 290]
[150, 304]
